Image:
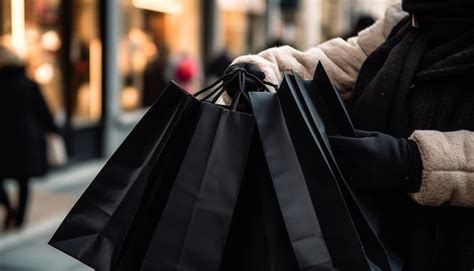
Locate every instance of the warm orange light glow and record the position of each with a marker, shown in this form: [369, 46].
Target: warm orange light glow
[165, 6]
[50, 41]
[18, 26]
[89, 95]
[44, 73]
[130, 98]
[150, 49]
[139, 61]
[137, 35]
[257, 6]
[95, 69]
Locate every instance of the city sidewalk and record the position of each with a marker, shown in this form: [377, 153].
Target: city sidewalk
[51, 199]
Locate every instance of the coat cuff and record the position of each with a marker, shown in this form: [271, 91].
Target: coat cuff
[448, 168]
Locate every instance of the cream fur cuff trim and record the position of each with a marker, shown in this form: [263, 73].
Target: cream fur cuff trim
[448, 168]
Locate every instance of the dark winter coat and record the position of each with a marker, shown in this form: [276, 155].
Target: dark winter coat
[25, 120]
[422, 79]
[435, 93]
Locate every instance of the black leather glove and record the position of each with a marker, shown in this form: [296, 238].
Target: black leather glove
[379, 162]
[250, 83]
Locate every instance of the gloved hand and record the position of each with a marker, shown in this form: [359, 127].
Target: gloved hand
[379, 162]
[250, 83]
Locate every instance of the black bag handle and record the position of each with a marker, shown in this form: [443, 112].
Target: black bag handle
[214, 84]
[217, 88]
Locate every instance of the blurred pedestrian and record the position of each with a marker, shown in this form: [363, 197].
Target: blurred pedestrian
[409, 77]
[362, 23]
[25, 120]
[6, 204]
[155, 77]
[216, 66]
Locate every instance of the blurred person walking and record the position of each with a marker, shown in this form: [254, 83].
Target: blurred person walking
[155, 77]
[362, 23]
[216, 66]
[26, 120]
[408, 77]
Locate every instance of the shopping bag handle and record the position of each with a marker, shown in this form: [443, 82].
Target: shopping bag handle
[217, 88]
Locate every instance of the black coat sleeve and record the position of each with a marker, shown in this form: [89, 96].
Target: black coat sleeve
[41, 110]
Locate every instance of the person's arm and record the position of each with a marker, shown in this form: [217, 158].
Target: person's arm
[435, 168]
[448, 168]
[342, 59]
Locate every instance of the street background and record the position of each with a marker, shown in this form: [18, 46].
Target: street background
[53, 196]
[101, 64]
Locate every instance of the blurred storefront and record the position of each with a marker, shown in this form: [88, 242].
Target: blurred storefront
[61, 46]
[241, 25]
[155, 38]
[163, 40]
[149, 43]
[65, 45]
[339, 16]
[100, 64]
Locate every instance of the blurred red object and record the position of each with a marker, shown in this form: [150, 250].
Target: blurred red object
[186, 72]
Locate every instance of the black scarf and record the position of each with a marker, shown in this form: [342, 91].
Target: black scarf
[439, 8]
[420, 78]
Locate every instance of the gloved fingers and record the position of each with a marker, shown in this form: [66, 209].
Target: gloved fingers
[355, 183]
[233, 87]
[253, 69]
[378, 162]
[234, 68]
[362, 133]
[349, 153]
[346, 144]
[249, 84]
[338, 142]
[246, 67]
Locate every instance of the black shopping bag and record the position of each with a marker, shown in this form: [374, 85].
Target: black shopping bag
[258, 239]
[319, 109]
[93, 230]
[329, 104]
[317, 246]
[366, 208]
[175, 178]
[331, 207]
[274, 227]
[196, 219]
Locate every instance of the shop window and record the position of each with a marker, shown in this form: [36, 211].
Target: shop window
[86, 61]
[30, 28]
[160, 42]
[33, 29]
[242, 26]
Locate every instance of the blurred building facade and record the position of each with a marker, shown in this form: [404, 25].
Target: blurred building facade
[101, 63]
